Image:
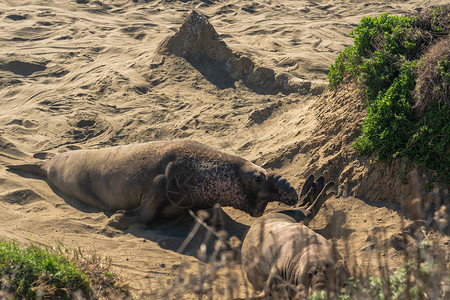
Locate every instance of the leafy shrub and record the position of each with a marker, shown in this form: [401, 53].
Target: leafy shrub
[27, 267]
[384, 59]
[388, 122]
[378, 44]
[34, 272]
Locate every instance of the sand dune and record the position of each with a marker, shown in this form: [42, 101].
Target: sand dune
[87, 75]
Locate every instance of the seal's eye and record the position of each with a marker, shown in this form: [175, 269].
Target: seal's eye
[258, 179]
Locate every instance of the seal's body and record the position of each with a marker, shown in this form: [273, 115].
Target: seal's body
[280, 253]
[162, 177]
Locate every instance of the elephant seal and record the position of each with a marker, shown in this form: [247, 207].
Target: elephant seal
[282, 256]
[162, 178]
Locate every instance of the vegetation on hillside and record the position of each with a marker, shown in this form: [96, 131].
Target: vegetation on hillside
[34, 272]
[426, 281]
[403, 66]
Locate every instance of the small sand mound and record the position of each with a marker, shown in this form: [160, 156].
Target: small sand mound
[10, 150]
[196, 40]
[199, 43]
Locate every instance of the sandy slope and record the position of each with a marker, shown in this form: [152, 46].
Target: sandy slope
[86, 76]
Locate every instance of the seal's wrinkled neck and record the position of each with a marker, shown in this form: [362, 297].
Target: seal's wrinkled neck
[218, 182]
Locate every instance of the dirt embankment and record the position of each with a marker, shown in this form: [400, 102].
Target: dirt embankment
[340, 115]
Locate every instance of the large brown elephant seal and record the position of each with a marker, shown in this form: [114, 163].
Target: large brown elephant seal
[162, 178]
[280, 255]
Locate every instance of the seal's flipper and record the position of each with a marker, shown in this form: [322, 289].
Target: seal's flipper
[35, 168]
[305, 193]
[318, 186]
[120, 220]
[319, 201]
[178, 179]
[307, 185]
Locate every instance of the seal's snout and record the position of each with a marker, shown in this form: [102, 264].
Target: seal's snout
[256, 214]
[258, 211]
[291, 197]
[319, 282]
[286, 192]
[319, 287]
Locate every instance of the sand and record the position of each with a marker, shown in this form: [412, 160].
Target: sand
[88, 75]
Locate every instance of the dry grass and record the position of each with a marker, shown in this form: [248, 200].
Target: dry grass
[424, 275]
[431, 84]
[41, 273]
[218, 275]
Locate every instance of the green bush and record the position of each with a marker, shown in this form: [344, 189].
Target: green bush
[23, 269]
[388, 120]
[378, 44]
[383, 60]
[33, 272]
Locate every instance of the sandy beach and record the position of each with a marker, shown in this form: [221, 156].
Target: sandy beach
[76, 75]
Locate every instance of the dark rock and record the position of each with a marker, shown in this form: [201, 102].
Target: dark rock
[23, 68]
[398, 242]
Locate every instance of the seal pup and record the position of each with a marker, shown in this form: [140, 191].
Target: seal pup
[161, 178]
[281, 256]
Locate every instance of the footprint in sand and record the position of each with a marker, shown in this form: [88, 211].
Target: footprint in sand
[21, 197]
[22, 68]
[17, 17]
[86, 126]
[8, 149]
[30, 124]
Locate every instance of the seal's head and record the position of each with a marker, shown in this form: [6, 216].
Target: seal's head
[325, 275]
[227, 180]
[262, 187]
